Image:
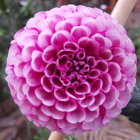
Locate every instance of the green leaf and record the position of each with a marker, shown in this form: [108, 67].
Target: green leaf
[134, 33]
[137, 42]
[2, 32]
[3, 5]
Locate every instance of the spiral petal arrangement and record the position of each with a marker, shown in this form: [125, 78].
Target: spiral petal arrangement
[71, 69]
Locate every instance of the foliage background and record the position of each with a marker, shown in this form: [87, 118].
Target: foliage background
[13, 16]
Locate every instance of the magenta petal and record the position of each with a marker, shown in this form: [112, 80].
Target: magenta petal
[61, 95]
[91, 115]
[103, 41]
[64, 124]
[9, 70]
[102, 65]
[121, 83]
[69, 64]
[19, 69]
[80, 55]
[46, 84]
[126, 93]
[49, 54]
[27, 51]
[60, 37]
[14, 50]
[26, 69]
[91, 61]
[107, 82]
[99, 99]
[47, 23]
[50, 69]
[26, 35]
[122, 60]
[117, 51]
[33, 78]
[82, 88]
[130, 69]
[62, 61]
[65, 52]
[81, 63]
[71, 46]
[94, 125]
[12, 90]
[33, 98]
[56, 82]
[111, 98]
[17, 83]
[105, 54]
[45, 97]
[20, 94]
[51, 125]
[90, 23]
[37, 63]
[53, 112]
[26, 107]
[101, 23]
[76, 116]
[65, 81]
[88, 45]
[25, 89]
[94, 73]
[44, 39]
[64, 25]
[87, 101]
[70, 92]
[10, 79]
[113, 112]
[96, 85]
[114, 71]
[80, 31]
[31, 23]
[114, 36]
[67, 106]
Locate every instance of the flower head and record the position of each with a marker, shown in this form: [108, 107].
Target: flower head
[71, 69]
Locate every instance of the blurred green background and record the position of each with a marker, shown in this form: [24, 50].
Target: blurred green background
[13, 16]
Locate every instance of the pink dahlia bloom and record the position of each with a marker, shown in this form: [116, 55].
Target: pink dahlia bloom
[71, 69]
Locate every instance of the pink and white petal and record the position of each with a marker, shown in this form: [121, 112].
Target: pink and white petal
[107, 82]
[33, 78]
[37, 62]
[44, 38]
[32, 98]
[76, 116]
[91, 115]
[82, 88]
[60, 95]
[114, 71]
[45, 97]
[66, 106]
[53, 112]
[25, 107]
[80, 31]
[46, 84]
[96, 86]
[27, 51]
[50, 69]
[60, 37]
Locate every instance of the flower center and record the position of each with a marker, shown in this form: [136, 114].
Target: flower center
[75, 67]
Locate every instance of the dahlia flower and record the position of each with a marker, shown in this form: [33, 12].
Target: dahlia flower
[71, 69]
